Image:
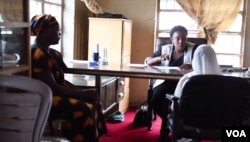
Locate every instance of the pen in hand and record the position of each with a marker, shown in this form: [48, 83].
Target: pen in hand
[164, 57]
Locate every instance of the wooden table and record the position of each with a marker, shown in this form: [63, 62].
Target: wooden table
[133, 71]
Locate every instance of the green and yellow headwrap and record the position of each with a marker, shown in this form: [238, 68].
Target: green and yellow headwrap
[39, 22]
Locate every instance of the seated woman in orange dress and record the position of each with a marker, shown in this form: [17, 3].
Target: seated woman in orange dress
[79, 107]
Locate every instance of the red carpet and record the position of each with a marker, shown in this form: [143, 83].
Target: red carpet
[127, 132]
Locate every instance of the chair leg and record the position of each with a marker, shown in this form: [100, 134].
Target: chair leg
[174, 137]
[51, 128]
[163, 132]
[154, 115]
[164, 128]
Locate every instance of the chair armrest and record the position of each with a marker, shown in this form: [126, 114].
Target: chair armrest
[172, 98]
[173, 117]
[175, 102]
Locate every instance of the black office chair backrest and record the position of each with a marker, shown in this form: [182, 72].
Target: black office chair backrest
[211, 101]
[160, 41]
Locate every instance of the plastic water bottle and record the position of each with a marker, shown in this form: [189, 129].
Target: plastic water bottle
[105, 56]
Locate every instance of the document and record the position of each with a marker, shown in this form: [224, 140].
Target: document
[167, 67]
[136, 65]
[158, 67]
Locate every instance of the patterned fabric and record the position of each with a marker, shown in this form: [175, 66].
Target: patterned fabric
[85, 121]
[39, 22]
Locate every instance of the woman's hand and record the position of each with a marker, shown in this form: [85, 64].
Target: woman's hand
[164, 57]
[156, 60]
[89, 94]
[186, 67]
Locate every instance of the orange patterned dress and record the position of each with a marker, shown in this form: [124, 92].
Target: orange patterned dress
[85, 120]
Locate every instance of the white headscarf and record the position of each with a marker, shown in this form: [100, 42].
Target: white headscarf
[204, 62]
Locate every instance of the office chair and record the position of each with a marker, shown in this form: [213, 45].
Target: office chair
[208, 102]
[160, 41]
[24, 107]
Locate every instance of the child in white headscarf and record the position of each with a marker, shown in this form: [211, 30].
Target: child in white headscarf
[204, 62]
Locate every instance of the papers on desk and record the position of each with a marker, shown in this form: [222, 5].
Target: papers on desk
[85, 63]
[136, 65]
[158, 67]
[167, 67]
[79, 61]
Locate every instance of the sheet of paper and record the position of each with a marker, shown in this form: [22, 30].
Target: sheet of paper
[167, 67]
[136, 65]
[158, 67]
[79, 61]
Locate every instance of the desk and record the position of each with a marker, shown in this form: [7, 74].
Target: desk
[132, 71]
[82, 67]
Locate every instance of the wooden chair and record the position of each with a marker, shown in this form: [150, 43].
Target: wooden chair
[208, 103]
[24, 108]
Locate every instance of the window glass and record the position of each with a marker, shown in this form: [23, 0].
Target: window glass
[229, 60]
[53, 7]
[54, 1]
[53, 10]
[167, 20]
[228, 44]
[35, 8]
[169, 4]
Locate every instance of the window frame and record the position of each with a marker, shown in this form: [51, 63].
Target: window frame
[192, 33]
[59, 46]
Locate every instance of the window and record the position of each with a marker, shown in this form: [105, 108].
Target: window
[53, 7]
[228, 53]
